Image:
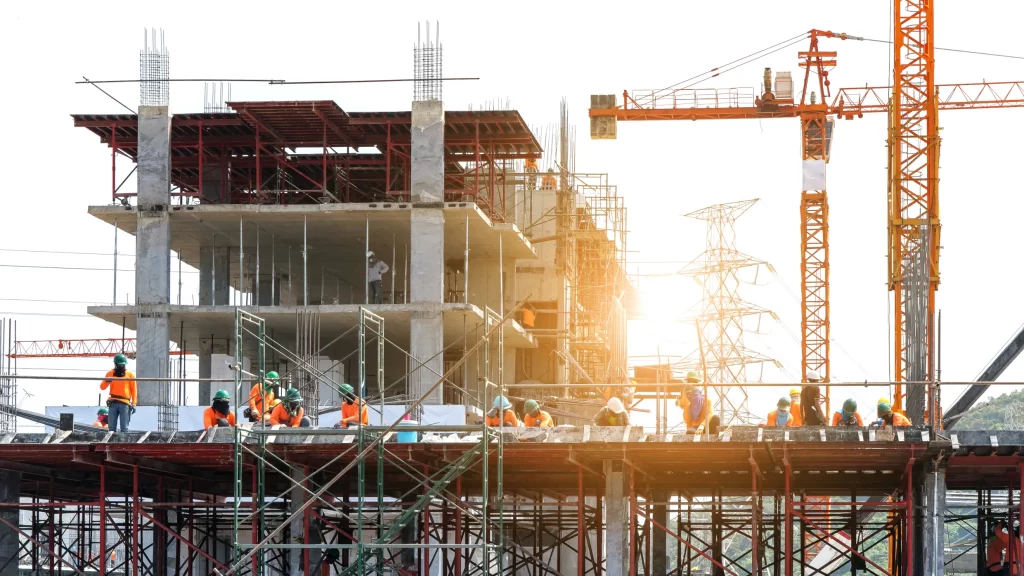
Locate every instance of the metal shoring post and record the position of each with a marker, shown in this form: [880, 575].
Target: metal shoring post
[261, 470]
[394, 249]
[237, 448]
[273, 268]
[405, 282]
[213, 272]
[379, 322]
[581, 527]
[632, 543]
[465, 266]
[135, 521]
[501, 391]
[366, 264]
[241, 267]
[305, 280]
[179, 278]
[291, 291]
[103, 521]
[257, 303]
[789, 520]
[114, 301]
[485, 443]
[361, 438]
[458, 526]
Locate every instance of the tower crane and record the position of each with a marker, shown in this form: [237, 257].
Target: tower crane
[913, 168]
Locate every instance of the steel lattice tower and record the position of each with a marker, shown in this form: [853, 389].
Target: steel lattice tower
[722, 311]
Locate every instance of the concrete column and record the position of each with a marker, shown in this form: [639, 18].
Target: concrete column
[213, 275]
[616, 517]
[934, 531]
[153, 251]
[212, 364]
[10, 490]
[659, 549]
[426, 268]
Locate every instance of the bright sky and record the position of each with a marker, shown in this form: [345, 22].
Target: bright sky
[532, 54]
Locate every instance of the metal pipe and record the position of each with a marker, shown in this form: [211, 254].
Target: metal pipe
[394, 249]
[366, 264]
[241, 266]
[273, 268]
[405, 283]
[305, 280]
[213, 273]
[465, 266]
[114, 301]
[257, 303]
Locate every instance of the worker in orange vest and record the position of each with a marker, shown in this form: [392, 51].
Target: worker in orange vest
[353, 410]
[501, 414]
[782, 416]
[290, 413]
[219, 413]
[695, 407]
[261, 397]
[848, 416]
[535, 416]
[123, 395]
[997, 543]
[101, 418]
[889, 417]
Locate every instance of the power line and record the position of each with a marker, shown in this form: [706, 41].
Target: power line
[63, 252]
[51, 301]
[957, 50]
[87, 81]
[13, 313]
[80, 268]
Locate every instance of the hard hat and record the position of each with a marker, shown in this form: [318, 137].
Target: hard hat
[813, 376]
[272, 375]
[222, 395]
[532, 405]
[346, 390]
[884, 406]
[885, 400]
[120, 360]
[292, 395]
[692, 376]
[784, 401]
[102, 411]
[794, 392]
[369, 254]
[501, 403]
[615, 405]
[850, 405]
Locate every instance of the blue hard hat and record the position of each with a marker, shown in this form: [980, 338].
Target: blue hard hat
[502, 403]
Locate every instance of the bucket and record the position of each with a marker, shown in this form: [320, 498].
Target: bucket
[408, 437]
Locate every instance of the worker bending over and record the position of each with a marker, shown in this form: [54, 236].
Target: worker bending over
[353, 410]
[261, 398]
[535, 416]
[501, 413]
[123, 395]
[887, 417]
[613, 414]
[101, 418]
[782, 416]
[289, 413]
[695, 407]
[848, 416]
[219, 413]
[811, 413]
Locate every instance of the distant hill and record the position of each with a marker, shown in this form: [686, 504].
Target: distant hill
[1004, 412]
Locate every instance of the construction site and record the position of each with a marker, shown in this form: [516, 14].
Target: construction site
[443, 265]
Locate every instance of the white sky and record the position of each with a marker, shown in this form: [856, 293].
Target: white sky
[533, 53]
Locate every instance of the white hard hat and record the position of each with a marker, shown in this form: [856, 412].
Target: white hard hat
[615, 405]
[812, 376]
[369, 253]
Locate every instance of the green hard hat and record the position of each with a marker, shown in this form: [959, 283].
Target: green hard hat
[103, 411]
[272, 375]
[784, 401]
[850, 405]
[292, 395]
[532, 405]
[222, 395]
[345, 389]
[120, 359]
[692, 376]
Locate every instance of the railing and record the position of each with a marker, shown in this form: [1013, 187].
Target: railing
[692, 98]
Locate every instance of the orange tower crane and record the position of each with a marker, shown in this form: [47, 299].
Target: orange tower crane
[913, 168]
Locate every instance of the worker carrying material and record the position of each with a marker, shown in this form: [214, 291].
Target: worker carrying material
[219, 413]
[289, 412]
[613, 414]
[695, 407]
[123, 394]
[782, 416]
[374, 270]
[261, 398]
[501, 413]
[101, 418]
[848, 416]
[996, 549]
[353, 410]
[535, 416]
[811, 413]
[886, 416]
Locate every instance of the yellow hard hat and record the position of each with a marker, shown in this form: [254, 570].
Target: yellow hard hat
[794, 391]
[884, 400]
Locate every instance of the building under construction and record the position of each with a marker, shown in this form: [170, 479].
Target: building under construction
[506, 277]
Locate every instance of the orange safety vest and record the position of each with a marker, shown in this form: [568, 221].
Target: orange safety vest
[510, 419]
[543, 420]
[996, 547]
[260, 402]
[210, 417]
[774, 415]
[350, 412]
[838, 417]
[280, 415]
[122, 391]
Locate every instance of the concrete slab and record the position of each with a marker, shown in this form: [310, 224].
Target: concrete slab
[218, 321]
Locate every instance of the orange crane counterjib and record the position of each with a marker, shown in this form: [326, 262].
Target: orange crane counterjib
[739, 103]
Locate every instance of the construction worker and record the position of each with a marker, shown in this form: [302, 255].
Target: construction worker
[782, 416]
[548, 182]
[501, 413]
[353, 410]
[101, 418]
[887, 417]
[261, 397]
[535, 416]
[794, 403]
[848, 416]
[219, 413]
[374, 270]
[613, 414]
[695, 408]
[123, 395]
[289, 413]
[995, 550]
[811, 413]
